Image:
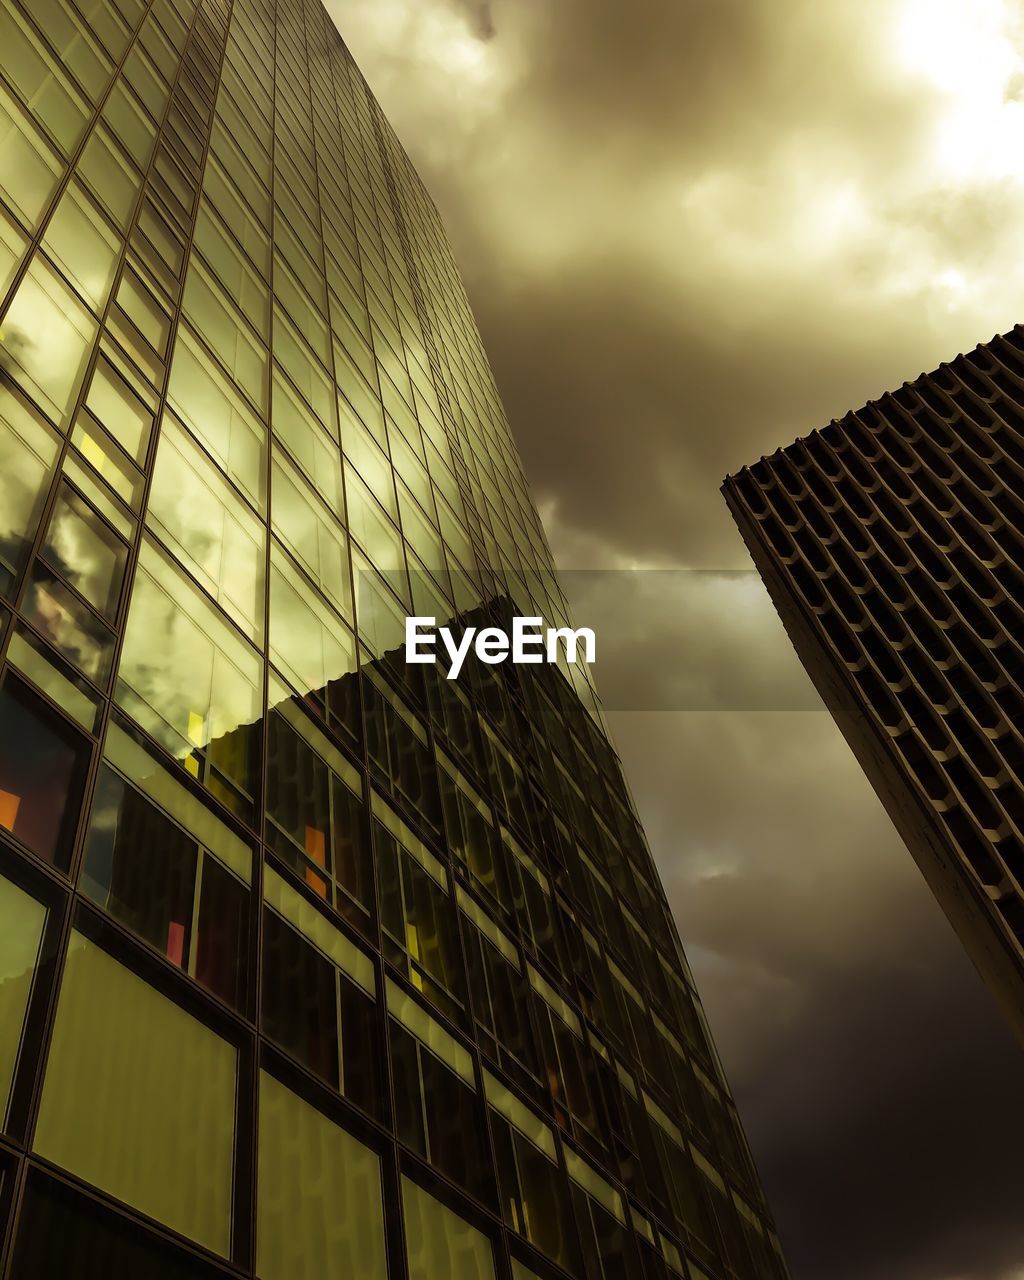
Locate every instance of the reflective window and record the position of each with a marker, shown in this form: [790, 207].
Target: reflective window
[64, 1233]
[440, 1243]
[308, 375]
[470, 827]
[46, 338]
[399, 753]
[216, 535]
[218, 417]
[190, 680]
[143, 310]
[28, 449]
[305, 440]
[28, 168]
[139, 1098]
[497, 991]
[43, 89]
[309, 643]
[297, 302]
[117, 406]
[129, 124]
[608, 1247]
[143, 77]
[73, 629]
[372, 465]
[315, 540]
[109, 176]
[42, 765]
[85, 552]
[169, 251]
[22, 919]
[223, 328]
[223, 194]
[78, 240]
[246, 289]
[320, 1213]
[374, 532]
[357, 398]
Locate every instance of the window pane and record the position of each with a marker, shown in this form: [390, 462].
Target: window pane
[320, 1214]
[120, 410]
[45, 339]
[377, 536]
[109, 176]
[307, 374]
[129, 123]
[372, 465]
[312, 537]
[190, 679]
[316, 454]
[139, 1098]
[439, 1243]
[62, 1233]
[78, 241]
[28, 448]
[298, 800]
[148, 872]
[28, 170]
[142, 309]
[217, 417]
[206, 305]
[141, 867]
[21, 930]
[68, 625]
[300, 1010]
[244, 286]
[217, 537]
[223, 933]
[85, 552]
[308, 641]
[44, 90]
[42, 761]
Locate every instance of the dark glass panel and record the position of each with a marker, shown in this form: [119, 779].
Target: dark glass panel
[300, 1009]
[410, 1124]
[454, 1126]
[141, 867]
[360, 1057]
[223, 933]
[42, 762]
[298, 802]
[353, 866]
[62, 1233]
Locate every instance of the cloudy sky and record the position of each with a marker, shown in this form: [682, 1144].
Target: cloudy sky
[693, 230]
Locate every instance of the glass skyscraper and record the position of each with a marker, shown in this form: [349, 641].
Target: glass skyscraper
[312, 964]
[892, 543]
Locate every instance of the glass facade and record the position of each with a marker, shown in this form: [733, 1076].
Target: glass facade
[892, 543]
[312, 964]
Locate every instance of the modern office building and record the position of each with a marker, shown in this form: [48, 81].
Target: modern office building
[313, 965]
[892, 543]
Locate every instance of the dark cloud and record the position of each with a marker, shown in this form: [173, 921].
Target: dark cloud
[875, 1078]
[693, 230]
